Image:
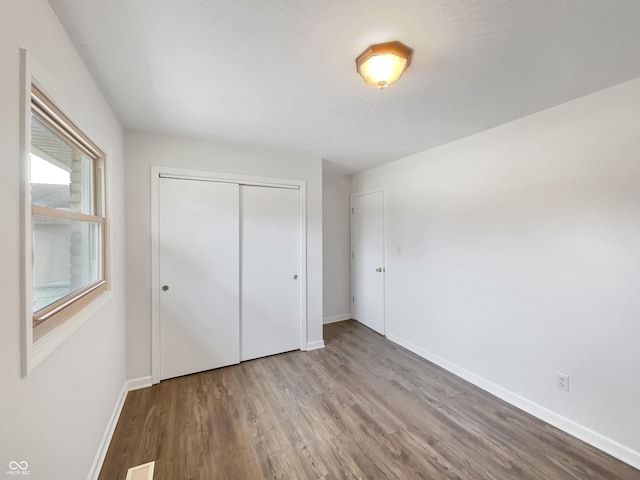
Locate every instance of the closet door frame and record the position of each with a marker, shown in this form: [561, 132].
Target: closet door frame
[158, 172]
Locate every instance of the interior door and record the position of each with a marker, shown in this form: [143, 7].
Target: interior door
[199, 276]
[367, 259]
[270, 271]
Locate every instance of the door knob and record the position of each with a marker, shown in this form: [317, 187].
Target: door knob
[165, 288]
[379, 269]
[295, 277]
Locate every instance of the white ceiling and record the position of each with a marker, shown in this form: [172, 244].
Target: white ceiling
[281, 73]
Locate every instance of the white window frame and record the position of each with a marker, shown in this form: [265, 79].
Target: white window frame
[35, 350]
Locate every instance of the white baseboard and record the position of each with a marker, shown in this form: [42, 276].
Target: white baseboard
[336, 318]
[613, 448]
[129, 385]
[315, 345]
[138, 383]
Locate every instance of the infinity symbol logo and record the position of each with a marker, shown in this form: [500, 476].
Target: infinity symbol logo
[13, 465]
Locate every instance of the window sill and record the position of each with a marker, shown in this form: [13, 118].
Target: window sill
[37, 351]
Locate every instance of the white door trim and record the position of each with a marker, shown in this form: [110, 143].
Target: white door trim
[384, 247]
[212, 176]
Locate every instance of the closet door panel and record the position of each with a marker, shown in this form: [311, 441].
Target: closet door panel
[199, 276]
[270, 269]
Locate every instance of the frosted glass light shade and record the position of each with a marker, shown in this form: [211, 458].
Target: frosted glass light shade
[382, 64]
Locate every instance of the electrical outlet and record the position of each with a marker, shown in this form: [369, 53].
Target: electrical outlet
[562, 382]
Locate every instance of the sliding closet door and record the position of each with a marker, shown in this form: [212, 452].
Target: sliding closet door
[270, 269]
[199, 276]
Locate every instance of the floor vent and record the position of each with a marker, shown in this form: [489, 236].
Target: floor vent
[141, 472]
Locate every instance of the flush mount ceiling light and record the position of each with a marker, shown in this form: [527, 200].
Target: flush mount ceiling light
[382, 64]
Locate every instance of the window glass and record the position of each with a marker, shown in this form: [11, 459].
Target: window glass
[61, 175]
[66, 258]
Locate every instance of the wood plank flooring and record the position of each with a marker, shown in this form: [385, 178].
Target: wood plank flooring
[362, 408]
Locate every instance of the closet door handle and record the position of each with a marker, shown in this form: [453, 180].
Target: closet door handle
[165, 288]
[295, 277]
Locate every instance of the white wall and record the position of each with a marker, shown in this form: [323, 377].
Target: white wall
[55, 417]
[336, 240]
[515, 254]
[144, 150]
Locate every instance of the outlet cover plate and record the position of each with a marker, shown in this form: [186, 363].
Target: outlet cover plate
[562, 382]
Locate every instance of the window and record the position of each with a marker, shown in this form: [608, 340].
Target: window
[68, 217]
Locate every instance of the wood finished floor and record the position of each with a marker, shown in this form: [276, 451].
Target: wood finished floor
[362, 407]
